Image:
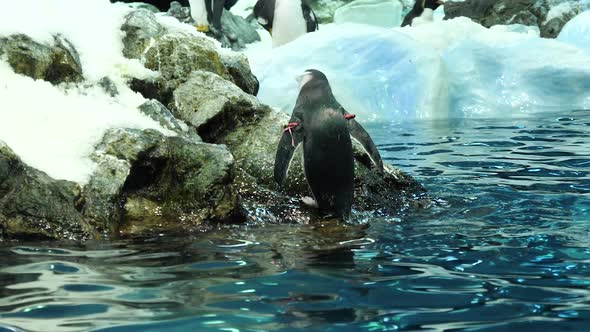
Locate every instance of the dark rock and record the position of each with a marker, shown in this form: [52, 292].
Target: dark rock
[55, 63]
[140, 27]
[215, 106]
[527, 12]
[325, 9]
[239, 69]
[176, 55]
[160, 5]
[148, 182]
[236, 31]
[108, 86]
[157, 111]
[34, 206]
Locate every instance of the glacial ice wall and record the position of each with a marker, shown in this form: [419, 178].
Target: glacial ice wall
[453, 68]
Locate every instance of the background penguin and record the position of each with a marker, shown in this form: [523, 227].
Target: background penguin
[422, 12]
[325, 129]
[207, 14]
[285, 20]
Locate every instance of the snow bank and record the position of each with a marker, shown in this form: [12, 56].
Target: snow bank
[453, 68]
[54, 129]
[383, 13]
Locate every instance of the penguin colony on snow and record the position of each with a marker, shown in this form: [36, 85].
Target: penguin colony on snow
[318, 122]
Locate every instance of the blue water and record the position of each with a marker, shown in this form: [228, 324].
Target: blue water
[504, 246]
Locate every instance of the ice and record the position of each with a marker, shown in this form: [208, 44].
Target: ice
[577, 31]
[453, 68]
[383, 13]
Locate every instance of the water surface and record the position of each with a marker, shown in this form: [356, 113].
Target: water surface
[504, 247]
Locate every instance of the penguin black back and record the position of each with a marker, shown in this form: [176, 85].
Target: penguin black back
[264, 11]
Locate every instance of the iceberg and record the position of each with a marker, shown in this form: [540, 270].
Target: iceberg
[577, 31]
[383, 13]
[453, 68]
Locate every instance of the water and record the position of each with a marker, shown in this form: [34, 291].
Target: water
[504, 247]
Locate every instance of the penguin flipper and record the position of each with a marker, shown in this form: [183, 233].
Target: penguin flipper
[289, 142]
[360, 134]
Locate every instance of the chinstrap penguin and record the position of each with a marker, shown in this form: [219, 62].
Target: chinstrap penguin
[207, 14]
[325, 129]
[285, 20]
[422, 12]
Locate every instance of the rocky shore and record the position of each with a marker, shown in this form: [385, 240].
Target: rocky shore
[214, 164]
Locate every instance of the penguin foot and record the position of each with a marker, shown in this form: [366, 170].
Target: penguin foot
[309, 202]
[349, 116]
[202, 28]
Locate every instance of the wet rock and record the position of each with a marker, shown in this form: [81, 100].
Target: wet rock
[56, 63]
[549, 15]
[108, 86]
[33, 205]
[183, 14]
[215, 106]
[157, 111]
[147, 182]
[140, 27]
[239, 69]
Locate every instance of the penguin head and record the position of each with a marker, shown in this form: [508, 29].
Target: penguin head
[312, 77]
[264, 13]
[431, 4]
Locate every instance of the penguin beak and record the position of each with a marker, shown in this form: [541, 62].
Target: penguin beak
[270, 31]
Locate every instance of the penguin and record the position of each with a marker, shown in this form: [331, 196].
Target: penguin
[326, 130]
[422, 12]
[285, 20]
[207, 14]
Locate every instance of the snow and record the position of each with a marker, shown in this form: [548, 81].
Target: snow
[453, 68]
[558, 11]
[577, 32]
[55, 129]
[243, 8]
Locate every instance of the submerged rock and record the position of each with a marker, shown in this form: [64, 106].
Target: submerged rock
[33, 205]
[549, 15]
[56, 63]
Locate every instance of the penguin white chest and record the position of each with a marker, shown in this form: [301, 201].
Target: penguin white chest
[288, 23]
[199, 12]
[426, 17]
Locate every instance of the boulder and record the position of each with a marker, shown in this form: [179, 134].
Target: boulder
[56, 63]
[35, 206]
[239, 69]
[157, 111]
[140, 28]
[549, 15]
[214, 106]
[147, 182]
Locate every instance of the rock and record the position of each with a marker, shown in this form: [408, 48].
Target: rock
[325, 9]
[35, 206]
[236, 31]
[157, 111]
[182, 182]
[55, 63]
[549, 15]
[383, 13]
[108, 86]
[215, 106]
[140, 27]
[176, 54]
[239, 69]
